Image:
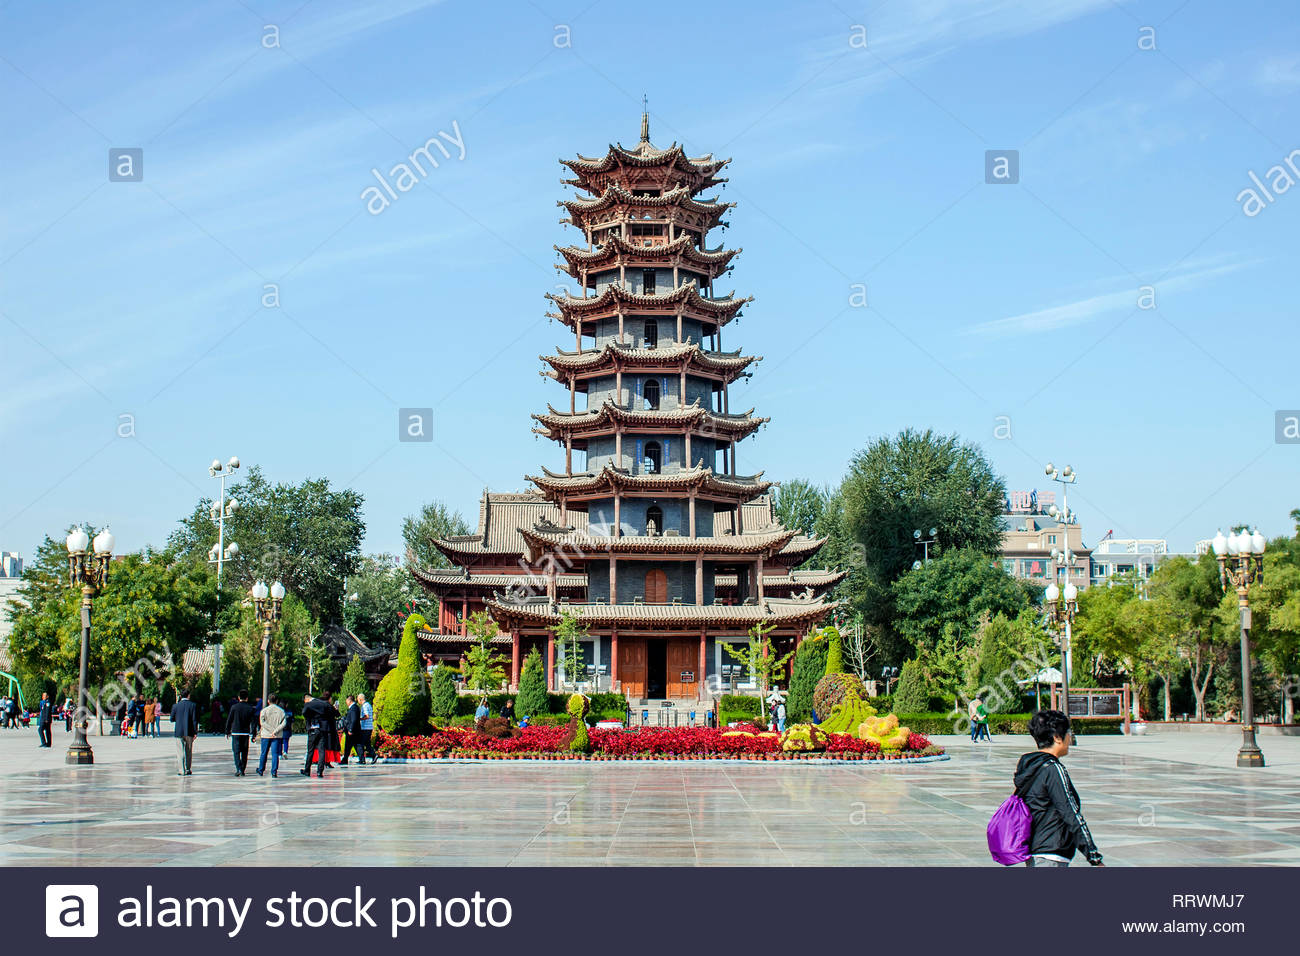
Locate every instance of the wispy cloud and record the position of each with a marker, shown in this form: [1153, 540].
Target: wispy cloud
[1116, 301]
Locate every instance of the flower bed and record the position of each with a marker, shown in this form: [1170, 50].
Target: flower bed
[647, 743]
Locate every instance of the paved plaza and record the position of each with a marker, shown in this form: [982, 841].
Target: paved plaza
[1173, 799]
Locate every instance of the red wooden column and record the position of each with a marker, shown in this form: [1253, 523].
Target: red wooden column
[704, 667]
[550, 662]
[613, 657]
[464, 615]
[514, 658]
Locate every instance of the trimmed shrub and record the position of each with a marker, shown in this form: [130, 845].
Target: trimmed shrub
[834, 689]
[532, 700]
[809, 667]
[803, 738]
[846, 716]
[402, 701]
[834, 650]
[579, 741]
[912, 696]
[354, 679]
[443, 699]
[734, 707]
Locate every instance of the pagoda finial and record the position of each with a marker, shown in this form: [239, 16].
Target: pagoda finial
[645, 118]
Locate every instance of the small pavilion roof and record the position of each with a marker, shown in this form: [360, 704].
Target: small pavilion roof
[818, 580]
[616, 194]
[541, 540]
[456, 579]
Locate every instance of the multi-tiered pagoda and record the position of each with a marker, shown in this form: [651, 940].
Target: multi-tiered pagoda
[647, 534]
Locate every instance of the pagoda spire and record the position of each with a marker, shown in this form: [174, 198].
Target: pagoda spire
[645, 118]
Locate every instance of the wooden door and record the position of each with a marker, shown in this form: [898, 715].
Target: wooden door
[656, 586]
[683, 661]
[631, 666]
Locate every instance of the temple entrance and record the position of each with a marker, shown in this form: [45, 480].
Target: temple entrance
[656, 669]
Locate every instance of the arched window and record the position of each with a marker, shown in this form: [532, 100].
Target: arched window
[654, 457]
[654, 520]
[651, 393]
[656, 587]
[651, 334]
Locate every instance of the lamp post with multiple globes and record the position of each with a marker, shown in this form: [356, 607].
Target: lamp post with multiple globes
[222, 508]
[266, 604]
[924, 543]
[89, 571]
[1241, 564]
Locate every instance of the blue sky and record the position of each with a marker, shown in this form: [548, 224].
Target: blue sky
[988, 304]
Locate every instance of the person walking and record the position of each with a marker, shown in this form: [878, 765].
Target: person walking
[320, 716]
[779, 712]
[185, 717]
[157, 716]
[351, 727]
[149, 708]
[271, 726]
[239, 728]
[67, 715]
[1058, 827]
[137, 720]
[368, 727]
[44, 719]
[288, 728]
[979, 720]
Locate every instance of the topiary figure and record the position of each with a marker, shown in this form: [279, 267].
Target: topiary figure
[832, 689]
[402, 701]
[803, 738]
[847, 715]
[834, 650]
[885, 732]
[577, 708]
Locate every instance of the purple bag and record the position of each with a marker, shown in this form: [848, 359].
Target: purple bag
[1009, 829]
[1009, 832]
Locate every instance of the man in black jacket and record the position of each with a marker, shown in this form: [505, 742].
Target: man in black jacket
[239, 728]
[351, 727]
[44, 719]
[320, 717]
[1058, 826]
[186, 718]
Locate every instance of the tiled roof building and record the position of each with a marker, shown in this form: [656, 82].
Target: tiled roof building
[647, 535]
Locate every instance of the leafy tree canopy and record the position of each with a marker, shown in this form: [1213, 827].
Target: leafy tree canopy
[434, 520]
[799, 504]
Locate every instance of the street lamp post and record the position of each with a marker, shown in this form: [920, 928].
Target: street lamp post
[888, 675]
[1241, 564]
[221, 551]
[1061, 607]
[266, 605]
[925, 545]
[89, 571]
[1064, 477]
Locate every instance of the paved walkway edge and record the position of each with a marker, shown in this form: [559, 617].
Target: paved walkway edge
[812, 761]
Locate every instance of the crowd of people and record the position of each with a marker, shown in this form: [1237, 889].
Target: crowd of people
[270, 725]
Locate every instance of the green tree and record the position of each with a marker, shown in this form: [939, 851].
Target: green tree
[957, 588]
[307, 536]
[151, 610]
[354, 679]
[442, 693]
[1007, 651]
[485, 668]
[809, 668]
[921, 480]
[380, 592]
[911, 696]
[760, 658]
[798, 505]
[569, 636]
[402, 701]
[292, 652]
[434, 520]
[532, 700]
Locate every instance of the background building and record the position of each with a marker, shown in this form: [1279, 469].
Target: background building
[11, 572]
[1030, 535]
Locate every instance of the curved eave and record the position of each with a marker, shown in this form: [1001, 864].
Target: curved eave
[542, 542]
[619, 156]
[615, 246]
[608, 479]
[616, 195]
[667, 616]
[669, 357]
[557, 424]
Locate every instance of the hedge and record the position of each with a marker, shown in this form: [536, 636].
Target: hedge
[733, 707]
[1001, 724]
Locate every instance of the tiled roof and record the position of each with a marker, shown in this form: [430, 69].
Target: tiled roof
[704, 480]
[687, 295]
[615, 195]
[671, 355]
[645, 155]
[774, 611]
[697, 417]
[615, 246]
[762, 542]
[809, 578]
[434, 637]
[455, 578]
[500, 517]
